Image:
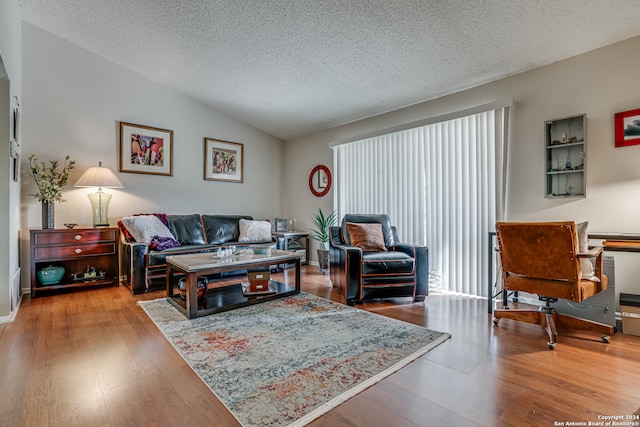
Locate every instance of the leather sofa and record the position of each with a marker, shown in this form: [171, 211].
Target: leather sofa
[143, 268]
[401, 270]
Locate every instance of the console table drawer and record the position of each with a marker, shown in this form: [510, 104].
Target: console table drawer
[60, 252]
[70, 238]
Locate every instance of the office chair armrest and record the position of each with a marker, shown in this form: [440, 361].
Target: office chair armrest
[593, 252]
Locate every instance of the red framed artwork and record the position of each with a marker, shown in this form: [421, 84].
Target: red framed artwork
[627, 128]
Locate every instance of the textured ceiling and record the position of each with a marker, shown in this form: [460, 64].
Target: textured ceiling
[295, 67]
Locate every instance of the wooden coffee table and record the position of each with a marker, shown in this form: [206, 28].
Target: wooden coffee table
[228, 296]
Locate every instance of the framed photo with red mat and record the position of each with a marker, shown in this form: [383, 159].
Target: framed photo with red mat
[627, 128]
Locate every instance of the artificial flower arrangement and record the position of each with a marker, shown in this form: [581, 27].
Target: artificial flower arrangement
[49, 179]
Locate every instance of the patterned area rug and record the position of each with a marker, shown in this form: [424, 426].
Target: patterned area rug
[288, 361]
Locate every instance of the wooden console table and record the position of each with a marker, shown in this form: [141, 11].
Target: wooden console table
[77, 250]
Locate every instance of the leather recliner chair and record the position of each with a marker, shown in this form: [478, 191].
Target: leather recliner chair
[402, 270]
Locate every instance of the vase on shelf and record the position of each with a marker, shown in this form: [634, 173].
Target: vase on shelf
[48, 215]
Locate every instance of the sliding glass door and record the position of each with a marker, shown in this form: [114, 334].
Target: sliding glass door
[442, 186]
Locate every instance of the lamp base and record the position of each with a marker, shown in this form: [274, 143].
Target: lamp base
[101, 225]
[100, 208]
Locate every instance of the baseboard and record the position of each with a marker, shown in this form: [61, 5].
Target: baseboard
[12, 316]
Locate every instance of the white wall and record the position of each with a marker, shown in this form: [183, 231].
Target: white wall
[599, 83]
[73, 101]
[300, 159]
[10, 87]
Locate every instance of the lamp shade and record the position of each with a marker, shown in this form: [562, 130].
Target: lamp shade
[98, 176]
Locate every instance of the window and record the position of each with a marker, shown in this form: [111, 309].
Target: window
[441, 184]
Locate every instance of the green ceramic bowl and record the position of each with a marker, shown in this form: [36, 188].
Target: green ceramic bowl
[260, 249]
[51, 275]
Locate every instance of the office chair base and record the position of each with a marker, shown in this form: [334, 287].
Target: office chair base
[550, 320]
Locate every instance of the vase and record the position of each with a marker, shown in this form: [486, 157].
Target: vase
[51, 275]
[48, 215]
[323, 260]
[202, 287]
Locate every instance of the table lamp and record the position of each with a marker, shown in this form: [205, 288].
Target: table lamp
[98, 176]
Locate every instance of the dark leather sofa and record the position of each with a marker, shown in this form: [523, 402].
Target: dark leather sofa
[144, 269]
[403, 270]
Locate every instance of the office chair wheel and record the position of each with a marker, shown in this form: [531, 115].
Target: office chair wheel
[496, 320]
[551, 345]
[606, 339]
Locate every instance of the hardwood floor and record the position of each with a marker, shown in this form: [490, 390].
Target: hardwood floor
[94, 358]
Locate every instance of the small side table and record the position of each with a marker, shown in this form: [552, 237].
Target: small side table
[296, 241]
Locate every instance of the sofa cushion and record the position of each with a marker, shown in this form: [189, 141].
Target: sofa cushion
[387, 263]
[254, 231]
[143, 228]
[221, 229]
[187, 229]
[163, 243]
[367, 237]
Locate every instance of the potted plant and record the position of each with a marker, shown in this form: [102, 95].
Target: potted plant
[50, 182]
[322, 225]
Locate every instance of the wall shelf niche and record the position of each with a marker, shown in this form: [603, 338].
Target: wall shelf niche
[565, 170]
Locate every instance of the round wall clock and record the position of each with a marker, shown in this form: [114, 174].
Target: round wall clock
[320, 181]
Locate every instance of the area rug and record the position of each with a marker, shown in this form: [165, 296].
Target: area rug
[288, 361]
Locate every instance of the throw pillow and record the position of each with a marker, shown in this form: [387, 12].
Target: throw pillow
[583, 246]
[161, 243]
[143, 228]
[367, 236]
[254, 231]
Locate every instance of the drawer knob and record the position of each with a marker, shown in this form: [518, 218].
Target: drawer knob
[78, 251]
[78, 237]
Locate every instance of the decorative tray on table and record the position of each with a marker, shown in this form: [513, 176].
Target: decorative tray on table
[248, 293]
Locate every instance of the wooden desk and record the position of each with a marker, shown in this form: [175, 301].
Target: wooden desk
[623, 242]
[492, 249]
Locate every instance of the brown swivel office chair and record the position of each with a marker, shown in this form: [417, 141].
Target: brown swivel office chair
[542, 258]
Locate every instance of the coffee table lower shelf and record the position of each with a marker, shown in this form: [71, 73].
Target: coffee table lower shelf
[231, 297]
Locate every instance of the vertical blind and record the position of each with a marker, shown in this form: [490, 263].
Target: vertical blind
[442, 186]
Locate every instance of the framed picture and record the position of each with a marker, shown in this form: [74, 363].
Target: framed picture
[627, 128]
[145, 149]
[223, 160]
[282, 224]
[15, 121]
